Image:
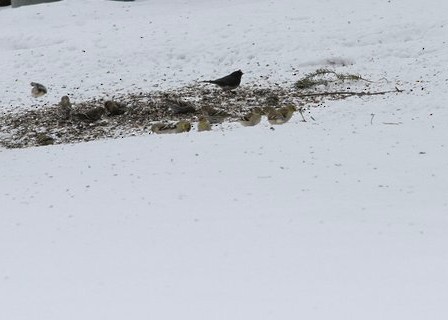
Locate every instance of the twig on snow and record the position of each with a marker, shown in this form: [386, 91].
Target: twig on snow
[349, 93]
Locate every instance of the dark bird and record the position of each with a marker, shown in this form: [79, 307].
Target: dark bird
[115, 108]
[230, 82]
[38, 90]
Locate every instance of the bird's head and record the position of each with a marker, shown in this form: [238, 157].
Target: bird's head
[291, 108]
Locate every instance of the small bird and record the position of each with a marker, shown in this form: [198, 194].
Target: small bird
[215, 115]
[183, 126]
[38, 90]
[65, 108]
[43, 139]
[279, 116]
[230, 82]
[91, 115]
[179, 127]
[288, 111]
[179, 106]
[275, 117]
[204, 124]
[115, 108]
[252, 118]
[95, 114]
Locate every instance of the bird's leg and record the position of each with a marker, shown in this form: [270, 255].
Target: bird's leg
[301, 113]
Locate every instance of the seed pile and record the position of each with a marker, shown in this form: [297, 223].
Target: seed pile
[136, 113]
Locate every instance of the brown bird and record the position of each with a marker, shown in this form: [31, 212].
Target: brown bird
[115, 108]
[43, 139]
[65, 108]
[252, 118]
[215, 115]
[91, 115]
[179, 127]
[279, 116]
[229, 82]
[179, 106]
[288, 111]
[204, 124]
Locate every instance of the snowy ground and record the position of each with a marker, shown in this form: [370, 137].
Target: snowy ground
[344, 217]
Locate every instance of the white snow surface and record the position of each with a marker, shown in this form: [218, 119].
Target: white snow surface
[344, 217]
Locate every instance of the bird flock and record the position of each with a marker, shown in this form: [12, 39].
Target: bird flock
[208, 115]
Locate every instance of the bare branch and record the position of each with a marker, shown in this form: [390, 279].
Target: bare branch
[349, 93]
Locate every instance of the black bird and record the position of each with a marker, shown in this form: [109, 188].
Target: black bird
[230, 82]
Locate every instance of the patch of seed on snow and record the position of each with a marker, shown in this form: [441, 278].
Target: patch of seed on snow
[44, 125]
[29, 128]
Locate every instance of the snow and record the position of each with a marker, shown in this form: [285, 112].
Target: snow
[343, 217]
